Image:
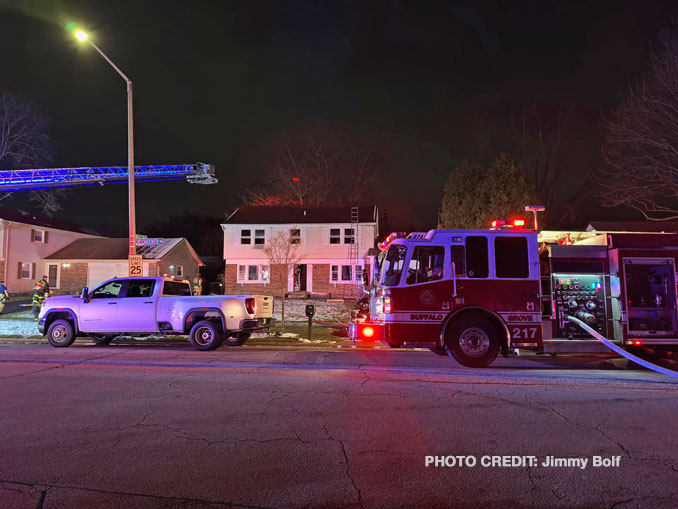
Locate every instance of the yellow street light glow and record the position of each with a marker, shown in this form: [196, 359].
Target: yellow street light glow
[80, 35]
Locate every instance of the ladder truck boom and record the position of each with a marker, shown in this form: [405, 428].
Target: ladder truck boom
[51, 178]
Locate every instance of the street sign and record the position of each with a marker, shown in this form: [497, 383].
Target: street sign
[150, 242]
[135, 265]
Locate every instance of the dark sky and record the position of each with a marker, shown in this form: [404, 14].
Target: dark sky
[215, 81]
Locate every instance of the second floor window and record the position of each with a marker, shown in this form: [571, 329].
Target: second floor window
[335, 235]
[245, 236]
[259, 237]
[295, 236]
[349, 236]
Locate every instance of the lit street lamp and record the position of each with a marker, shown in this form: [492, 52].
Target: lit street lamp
[82, 37]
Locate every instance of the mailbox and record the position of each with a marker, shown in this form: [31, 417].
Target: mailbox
[310, 310]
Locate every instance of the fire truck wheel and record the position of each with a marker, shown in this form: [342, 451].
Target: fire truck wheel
[237, 339]
[439, 350]
[472, 341]
[206, 335]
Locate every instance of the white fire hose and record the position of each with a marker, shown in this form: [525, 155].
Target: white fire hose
[622, 352]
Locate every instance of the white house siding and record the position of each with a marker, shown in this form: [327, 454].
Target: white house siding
[315, 249]
[20, 248]
[315, 241]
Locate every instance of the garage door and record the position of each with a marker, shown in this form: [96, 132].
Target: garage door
[101, 271]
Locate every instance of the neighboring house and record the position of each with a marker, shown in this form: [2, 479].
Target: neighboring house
[89, 262]
[25, 240]
[325, 236]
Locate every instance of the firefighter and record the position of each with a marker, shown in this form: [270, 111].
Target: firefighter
[4, 296]
[39, 290]
[197, 285]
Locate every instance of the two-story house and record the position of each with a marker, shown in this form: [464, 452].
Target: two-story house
[25, 240]
[334, 245]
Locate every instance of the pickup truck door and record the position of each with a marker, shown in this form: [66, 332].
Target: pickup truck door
[100, 313]
[136, 307]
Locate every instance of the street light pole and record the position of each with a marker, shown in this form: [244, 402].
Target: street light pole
[130, 154]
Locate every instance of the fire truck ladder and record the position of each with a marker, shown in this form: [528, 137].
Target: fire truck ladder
[353, 250]
[51, 178]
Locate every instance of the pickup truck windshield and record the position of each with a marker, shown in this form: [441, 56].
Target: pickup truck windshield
[392, 266]
[176, 288]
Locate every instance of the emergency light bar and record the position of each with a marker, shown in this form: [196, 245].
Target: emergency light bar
[517, 224]
[394, 235]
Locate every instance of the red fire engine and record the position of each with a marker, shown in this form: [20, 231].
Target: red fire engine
[474, 293]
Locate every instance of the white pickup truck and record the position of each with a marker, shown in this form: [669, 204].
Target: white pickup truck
[146, 306]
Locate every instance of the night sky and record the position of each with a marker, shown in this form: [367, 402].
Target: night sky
[217, 81]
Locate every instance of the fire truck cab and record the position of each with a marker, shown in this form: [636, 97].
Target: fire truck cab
[471, 293]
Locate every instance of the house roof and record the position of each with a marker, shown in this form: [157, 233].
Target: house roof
[286, 214]
[114, 249]
[633, 226]
[21, 216]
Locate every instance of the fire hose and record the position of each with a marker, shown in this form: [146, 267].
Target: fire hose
[622, 352]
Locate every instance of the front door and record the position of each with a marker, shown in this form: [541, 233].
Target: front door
[136, 308]
[100, 314]
[300, 278]
[52, 274]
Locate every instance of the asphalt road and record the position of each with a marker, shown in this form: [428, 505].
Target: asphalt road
[166, 426]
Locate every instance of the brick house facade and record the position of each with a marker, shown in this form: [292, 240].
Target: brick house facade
[334, 247]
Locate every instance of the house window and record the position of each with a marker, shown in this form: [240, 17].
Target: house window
[38, 235]
[335, 235]
[295, 236]
[25, 271]
[253, 274]
[245, 236]
[346, 273]
[349, 236]
[180, 271]
[259, 237]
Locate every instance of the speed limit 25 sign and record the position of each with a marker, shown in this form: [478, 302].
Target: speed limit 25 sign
[135, 265]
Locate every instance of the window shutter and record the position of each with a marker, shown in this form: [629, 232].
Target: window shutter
[32, 235]
[33, 271]
[18, 274]
[44, 238]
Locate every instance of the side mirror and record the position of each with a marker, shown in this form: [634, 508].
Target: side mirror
[83, 294]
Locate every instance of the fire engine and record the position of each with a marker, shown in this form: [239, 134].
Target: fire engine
[475, 293]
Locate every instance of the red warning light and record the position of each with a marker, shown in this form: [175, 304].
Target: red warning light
[636, 342]
[518, 222]
[368, 332]
[295, 179]
[493, 224]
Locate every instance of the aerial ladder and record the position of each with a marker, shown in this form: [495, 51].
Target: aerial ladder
[52, 178]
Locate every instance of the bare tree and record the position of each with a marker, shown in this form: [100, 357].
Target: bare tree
[540, 140]
[282, 257]
[640, 141]
[318, 167]
[24, 142]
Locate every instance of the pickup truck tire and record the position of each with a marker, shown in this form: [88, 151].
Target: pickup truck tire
[472, 341]
[60, 333]
[206, 335]
[102, 339]
[237, 339]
